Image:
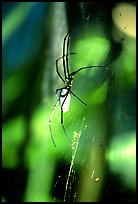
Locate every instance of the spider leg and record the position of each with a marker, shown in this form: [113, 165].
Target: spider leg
[78, 98]
[62, 122]
[50, 120]
[58, 70]
[57, 65]
[59, 89]
[67, 63]
[64, 65]
[71, 53]
[73, 73]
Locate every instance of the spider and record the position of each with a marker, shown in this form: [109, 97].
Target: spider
[65, 92]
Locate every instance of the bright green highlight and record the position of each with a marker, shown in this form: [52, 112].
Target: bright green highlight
[12, 88]
[40, 179]
[13, 134]
[40, 153]
[91, 50]
[98, 96]
[41, 141]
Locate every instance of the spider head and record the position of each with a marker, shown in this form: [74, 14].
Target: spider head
[68, 82]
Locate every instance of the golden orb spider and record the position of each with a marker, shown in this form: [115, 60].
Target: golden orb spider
[65, 92]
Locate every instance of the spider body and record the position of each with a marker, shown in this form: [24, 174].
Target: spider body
[65, 92]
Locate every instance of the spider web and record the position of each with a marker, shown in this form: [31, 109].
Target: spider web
[81, 170]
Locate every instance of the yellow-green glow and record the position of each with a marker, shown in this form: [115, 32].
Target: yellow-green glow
[122, 157]
[124, 153]
[129, 151]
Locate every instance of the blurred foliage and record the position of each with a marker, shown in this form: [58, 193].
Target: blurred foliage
[33, 169]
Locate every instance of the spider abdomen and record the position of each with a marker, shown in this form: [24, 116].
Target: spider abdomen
[65, 100]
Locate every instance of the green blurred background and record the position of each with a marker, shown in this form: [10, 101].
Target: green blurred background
[101, 163]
